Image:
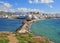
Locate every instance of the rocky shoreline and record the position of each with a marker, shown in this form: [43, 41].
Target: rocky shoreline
[25, 27]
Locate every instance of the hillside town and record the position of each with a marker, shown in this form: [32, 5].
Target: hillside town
[28, 15]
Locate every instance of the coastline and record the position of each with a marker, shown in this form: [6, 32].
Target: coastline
[25, 28]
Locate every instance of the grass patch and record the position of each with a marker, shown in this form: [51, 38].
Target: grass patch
[29, 38]
[4, 41]
[4, 38]
[23, 38]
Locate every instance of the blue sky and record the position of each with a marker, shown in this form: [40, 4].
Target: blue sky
[44, 5]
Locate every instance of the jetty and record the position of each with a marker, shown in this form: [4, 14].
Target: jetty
[25, 27]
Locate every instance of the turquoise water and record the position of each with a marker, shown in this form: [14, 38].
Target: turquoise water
[47, 28]
[10, 25]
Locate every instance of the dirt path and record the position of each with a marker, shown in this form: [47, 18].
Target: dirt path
[12, 39]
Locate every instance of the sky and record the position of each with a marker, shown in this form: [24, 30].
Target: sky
[49, 6]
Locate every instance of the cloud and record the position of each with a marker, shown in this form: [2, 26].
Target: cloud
[33, 1]
[47, 1]
[4, 6]
[41, 1]
[50, 6]
[22, 10]
[26, 9]
[7, 5]
[12, 10]
[30, 1]
[36, 1]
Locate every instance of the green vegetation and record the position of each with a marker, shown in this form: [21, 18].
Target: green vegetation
[23, 38]
[30, 38]
[4, 38]
[4, 41]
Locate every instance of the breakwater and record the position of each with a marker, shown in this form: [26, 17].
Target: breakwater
[25, 27]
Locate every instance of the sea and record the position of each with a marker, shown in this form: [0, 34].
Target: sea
[47, 28]
[10, 25]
